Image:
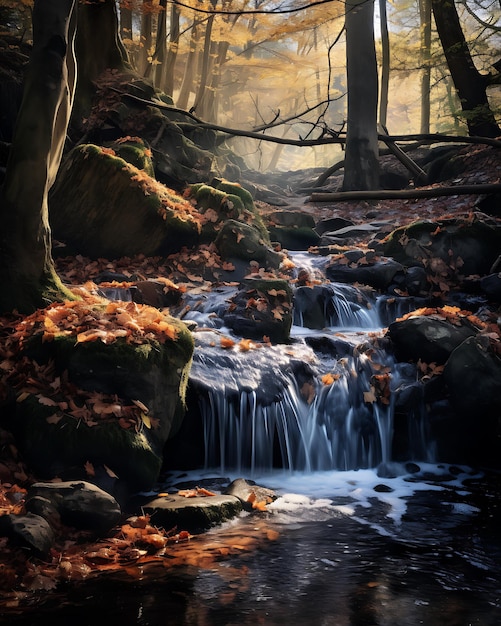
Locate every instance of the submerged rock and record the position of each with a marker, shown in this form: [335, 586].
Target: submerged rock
[194, 514]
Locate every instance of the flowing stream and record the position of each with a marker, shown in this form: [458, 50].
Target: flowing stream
[363, 532]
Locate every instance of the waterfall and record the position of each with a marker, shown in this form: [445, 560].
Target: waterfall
[342, 425]
[313, 405]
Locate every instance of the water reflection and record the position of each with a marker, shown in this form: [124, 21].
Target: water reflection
[338, 561]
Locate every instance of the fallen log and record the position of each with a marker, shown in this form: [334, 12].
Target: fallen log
[405, 194]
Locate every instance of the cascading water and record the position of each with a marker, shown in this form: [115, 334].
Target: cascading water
[326, 401]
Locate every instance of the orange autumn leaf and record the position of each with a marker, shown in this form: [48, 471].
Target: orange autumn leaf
[226, 342]
[245, 345]
[329, 378]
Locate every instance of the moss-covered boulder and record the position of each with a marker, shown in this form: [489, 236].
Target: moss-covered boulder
[136, 152]
[109, 390]
[103, 206]
[448, 248]
[293, 230]
[223, 200]
[240, 241]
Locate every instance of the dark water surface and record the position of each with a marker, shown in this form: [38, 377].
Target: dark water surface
[359, 550]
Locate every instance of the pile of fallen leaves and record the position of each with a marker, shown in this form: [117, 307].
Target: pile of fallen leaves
[91, 319]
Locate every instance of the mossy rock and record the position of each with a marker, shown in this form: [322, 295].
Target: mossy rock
[294, 237]
[63, 448]
[102, 206]
[223, 200]
[193, 514]
[465, 246]
[134, 151]
[138, 380]
[237, 240]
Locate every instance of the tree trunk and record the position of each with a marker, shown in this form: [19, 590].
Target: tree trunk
[168, 69]
[470, 85]
[425, 22]
[191, 68]
[206, 69]
[27, 273]
[126, 23]
[145, 35]
[97, 22]
[385, 65]
[361, 160]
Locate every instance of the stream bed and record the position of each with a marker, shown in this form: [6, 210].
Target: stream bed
[341, 548]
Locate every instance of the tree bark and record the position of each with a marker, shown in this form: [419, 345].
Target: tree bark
[425, 51]
[170, 63]
[361, 159]
[470, 85]
[27, 273]
[385, 65]
[97, 22]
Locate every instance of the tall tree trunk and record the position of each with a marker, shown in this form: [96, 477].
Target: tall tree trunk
[97, 22]
[206, 69]
[191, 68]
[470, 85]
[385, 65]
[425, 51]
[361, 160]
[156, 69]
[27, 273]
[126, 23]
[170, 63]
[145, 35]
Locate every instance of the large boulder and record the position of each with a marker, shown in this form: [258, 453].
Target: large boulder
[449, 248]
[429, 338]
[103, 206]
[110, 391]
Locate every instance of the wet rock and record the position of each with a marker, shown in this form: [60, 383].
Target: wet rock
[320, 306]
[380, 273]
[237, 240]
[294, 237]
[348, 233]
[423, 337]
[194, 514]
[413, 281]
[30, 530]
[80, 504]
[473, 377]
[332, 224]
[491, 286]
[248, 492]
[263, 308]
[457, 246]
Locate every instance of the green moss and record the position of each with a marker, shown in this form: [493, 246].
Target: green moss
[235, 189]
[48, 447]
[135, 153]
